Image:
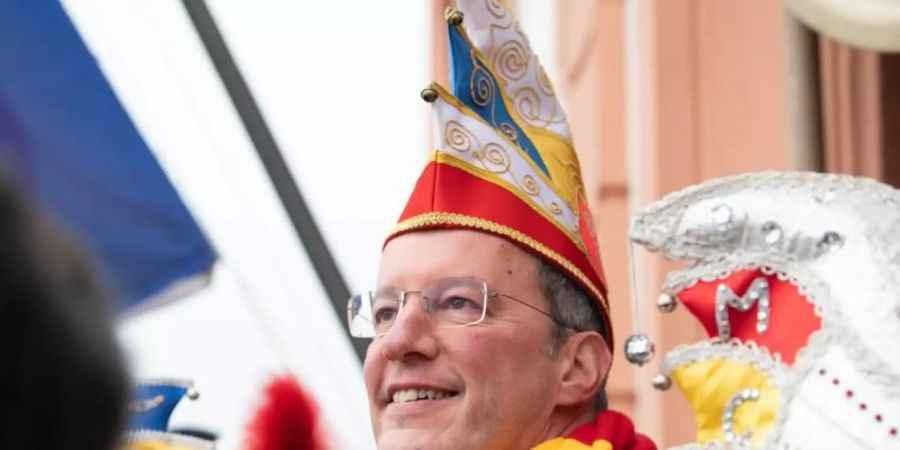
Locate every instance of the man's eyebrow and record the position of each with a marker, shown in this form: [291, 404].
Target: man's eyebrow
[385, 286]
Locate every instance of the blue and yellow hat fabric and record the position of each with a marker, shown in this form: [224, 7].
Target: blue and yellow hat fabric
[150, 409]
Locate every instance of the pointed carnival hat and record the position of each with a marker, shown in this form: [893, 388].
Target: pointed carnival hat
[794, 276]
[503, 160]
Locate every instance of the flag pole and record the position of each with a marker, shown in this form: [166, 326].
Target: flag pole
[286, 187]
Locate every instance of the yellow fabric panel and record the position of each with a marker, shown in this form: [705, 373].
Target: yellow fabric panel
[562, 162]
[709, 385]
[572, 444]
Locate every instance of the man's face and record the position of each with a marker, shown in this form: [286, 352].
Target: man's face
[496, 381]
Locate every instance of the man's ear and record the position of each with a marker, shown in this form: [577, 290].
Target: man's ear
[586, 360]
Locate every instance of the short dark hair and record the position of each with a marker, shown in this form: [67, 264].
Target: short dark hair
[569, 304]
[63, 384]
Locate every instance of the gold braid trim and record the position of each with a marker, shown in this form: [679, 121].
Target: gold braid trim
[445, 218]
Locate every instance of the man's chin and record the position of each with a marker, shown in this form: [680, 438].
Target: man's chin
[410, 440]
[424, 424]
[418, 431]
[434, 439]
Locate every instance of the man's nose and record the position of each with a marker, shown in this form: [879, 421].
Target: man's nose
[412, 334]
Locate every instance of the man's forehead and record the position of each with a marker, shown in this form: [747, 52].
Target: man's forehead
[434, 254]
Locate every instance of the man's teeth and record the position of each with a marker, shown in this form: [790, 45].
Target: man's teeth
[411, 395]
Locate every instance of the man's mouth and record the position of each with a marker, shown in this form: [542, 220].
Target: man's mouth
[413, 395]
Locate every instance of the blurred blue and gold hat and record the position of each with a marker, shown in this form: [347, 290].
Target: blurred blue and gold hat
[152, 404]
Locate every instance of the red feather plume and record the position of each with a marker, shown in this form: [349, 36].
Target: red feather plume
[286, 420]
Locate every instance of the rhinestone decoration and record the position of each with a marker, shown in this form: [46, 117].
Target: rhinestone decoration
[825, 197]
[757, 293]
[721, 215]
[772, 233]
[746, 395]
[830, 240]
[661, 382]
[638, 349]
[666, 303]
[850, 394]
[193, 394]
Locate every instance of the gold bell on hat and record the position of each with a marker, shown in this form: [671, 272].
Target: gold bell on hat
[429, 94]
[453, 16]
[661, 382]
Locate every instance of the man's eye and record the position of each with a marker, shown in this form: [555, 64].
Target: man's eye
[385, 315]
[460, 303]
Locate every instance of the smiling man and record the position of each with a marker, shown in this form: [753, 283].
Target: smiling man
[490, 322]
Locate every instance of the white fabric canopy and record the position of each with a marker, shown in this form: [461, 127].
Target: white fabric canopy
[871, 24]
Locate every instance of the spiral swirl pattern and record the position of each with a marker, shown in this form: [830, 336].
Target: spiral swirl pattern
[458, 138]
[511, 60]
[496, 8]
[508, 131]
[496, 156]
[481, 87]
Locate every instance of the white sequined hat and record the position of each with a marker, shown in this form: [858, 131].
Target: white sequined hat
[795, 278]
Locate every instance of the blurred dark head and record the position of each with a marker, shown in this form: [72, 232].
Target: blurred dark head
[62, 381]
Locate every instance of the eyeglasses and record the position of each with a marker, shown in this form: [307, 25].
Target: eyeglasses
[449, 302]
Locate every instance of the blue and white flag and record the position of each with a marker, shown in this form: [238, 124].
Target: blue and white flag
[67, 140]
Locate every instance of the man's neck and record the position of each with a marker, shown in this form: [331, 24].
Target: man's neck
[565, 420]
